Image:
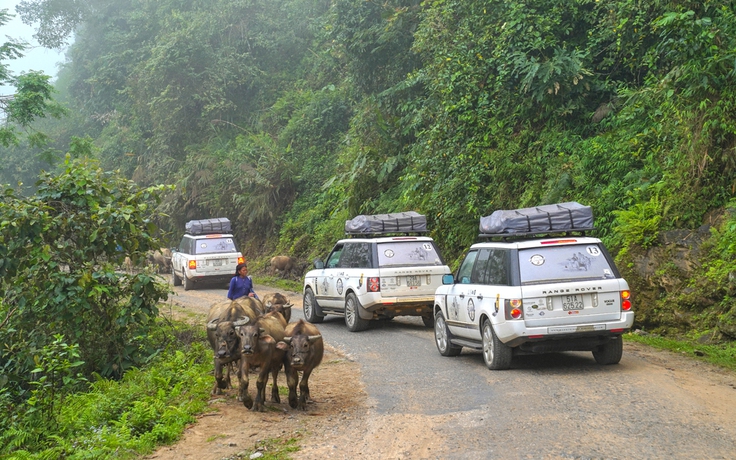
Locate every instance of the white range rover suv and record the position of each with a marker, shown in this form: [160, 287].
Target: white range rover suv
[373, 275]
[539, 285]
[207, 252]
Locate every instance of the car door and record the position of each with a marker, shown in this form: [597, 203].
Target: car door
[326, 289]
[457, 296]
[355, 261]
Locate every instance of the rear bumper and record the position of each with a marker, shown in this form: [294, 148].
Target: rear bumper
[583, 336]
[398, 306]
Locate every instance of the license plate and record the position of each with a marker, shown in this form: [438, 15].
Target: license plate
[413, 281]
[572, 302]
[217, 262]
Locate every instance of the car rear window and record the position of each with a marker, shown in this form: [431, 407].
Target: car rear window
[564, 263]
[214, 245]
[408, 253]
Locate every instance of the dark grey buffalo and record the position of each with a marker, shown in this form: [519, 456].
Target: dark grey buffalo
[278, 302]
[304, 351]
[222, 320]
[258, 349]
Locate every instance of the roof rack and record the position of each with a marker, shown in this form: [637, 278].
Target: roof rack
[522, 235]
[384, 224]
[552, 219]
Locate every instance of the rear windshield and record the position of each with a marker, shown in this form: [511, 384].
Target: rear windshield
[408, 254]
[214, 245]
[564, 263]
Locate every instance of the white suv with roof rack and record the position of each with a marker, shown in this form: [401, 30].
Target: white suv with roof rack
[207, 252]
[539, 285]
[385, 269]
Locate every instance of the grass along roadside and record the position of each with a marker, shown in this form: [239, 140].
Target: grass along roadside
[723, 355]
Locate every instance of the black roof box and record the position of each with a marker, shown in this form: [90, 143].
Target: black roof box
[551, 218]
[208, 226]
[378, 224]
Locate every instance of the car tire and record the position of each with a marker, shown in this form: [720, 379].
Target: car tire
[610, 352]
[428, 321]
[496, 354]
[175, 280]
[188, 284]
[352, 316]
[442, 337]
[309, 306]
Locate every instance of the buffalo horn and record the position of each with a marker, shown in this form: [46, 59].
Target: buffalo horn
[241, 322]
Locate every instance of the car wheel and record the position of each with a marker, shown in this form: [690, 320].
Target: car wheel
[175, 280]
[442, 337]
[310, 307]
[188, 284]
[352, 318]
[496, 354]
[610, 352]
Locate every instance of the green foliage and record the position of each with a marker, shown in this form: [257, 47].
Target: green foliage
[59, 250]
[126, 418]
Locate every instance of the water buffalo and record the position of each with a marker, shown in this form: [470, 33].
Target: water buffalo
[278, 302]
[160, 260]
[304, 350]
[222, 320]
[284, 264]
[253, 303]
[258, 349]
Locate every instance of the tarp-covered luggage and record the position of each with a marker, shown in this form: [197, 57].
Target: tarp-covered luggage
[208, 226]
[559, 217]
[402, 222]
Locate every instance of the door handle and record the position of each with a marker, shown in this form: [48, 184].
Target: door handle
[479, 296]
[462, 296]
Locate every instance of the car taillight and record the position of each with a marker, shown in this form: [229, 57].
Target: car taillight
[192, 265]
[625, 300]
[241, 260]
[374, 284]
[514, 309]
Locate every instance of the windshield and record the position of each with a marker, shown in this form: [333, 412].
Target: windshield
[214, 245]
[408, 253]
[563, 263]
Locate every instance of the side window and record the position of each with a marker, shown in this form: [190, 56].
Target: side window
[356, 255]
[184, 246]
[466, 269]
[498, 267]
[334, 257]
[481, 269]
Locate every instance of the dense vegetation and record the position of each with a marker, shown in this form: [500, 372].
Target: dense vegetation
[290, 116]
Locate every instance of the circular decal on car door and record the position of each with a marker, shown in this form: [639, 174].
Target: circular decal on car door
[471, 310]
[339, 286]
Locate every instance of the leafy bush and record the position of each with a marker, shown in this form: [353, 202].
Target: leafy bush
[122, 419]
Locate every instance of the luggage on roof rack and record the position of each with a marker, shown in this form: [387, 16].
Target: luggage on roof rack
[551, 218]
[208, 226]
[402, 222]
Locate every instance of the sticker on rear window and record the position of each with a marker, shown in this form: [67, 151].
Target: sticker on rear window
[388, 253]
[537, 259]
[593, 251]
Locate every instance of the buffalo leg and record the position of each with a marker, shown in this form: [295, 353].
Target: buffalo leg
[304, 390]
[244, 381]
[274, 388]
[219, 380]
[261, 390]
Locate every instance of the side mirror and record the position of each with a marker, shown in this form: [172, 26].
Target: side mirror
[448, 279]
[318, 264]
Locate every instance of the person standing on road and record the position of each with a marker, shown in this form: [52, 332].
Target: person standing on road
[241, 285]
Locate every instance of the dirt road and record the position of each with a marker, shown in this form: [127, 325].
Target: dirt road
[417, 405]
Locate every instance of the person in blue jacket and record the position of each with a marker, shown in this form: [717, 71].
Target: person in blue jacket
[241, 284]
